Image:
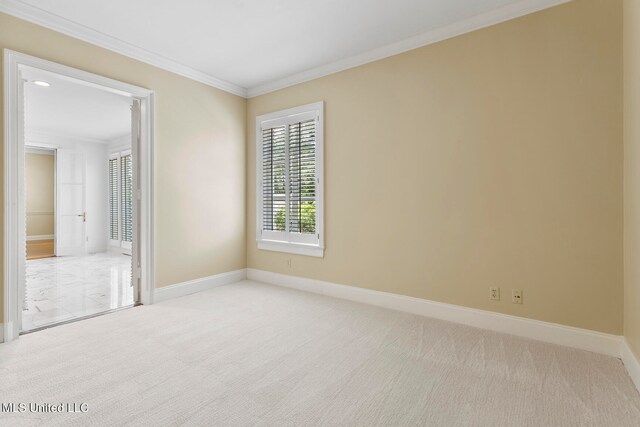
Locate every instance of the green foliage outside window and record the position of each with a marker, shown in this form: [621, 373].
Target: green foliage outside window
[280, 219]
[307, 218]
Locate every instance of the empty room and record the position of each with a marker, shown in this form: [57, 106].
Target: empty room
[296, 213]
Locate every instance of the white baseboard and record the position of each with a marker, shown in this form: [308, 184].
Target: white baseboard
[192, 286]
[583, 339]
[632, 363]
[40, 237]
[9, 332]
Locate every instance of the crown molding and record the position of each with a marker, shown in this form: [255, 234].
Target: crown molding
[54, 22]
[46, 19]
[122, 139]
[467, 25]
[46, 137]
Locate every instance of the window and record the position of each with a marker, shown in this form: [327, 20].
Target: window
[289, 180]
[120, 200]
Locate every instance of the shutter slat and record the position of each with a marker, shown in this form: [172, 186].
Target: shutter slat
[126, 191]
[302, 172]
[113, 199]
[273, 179]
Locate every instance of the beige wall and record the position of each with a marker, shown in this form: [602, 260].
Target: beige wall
[199, 154]
[632, 173]
[39, 181]
[491, 159]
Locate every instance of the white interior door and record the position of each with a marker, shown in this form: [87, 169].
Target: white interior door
[71, 217]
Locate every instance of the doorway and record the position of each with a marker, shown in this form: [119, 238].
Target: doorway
[40, 178]
[81, 122]
[71, 131]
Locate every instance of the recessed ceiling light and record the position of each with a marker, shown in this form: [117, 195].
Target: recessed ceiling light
[41, 83]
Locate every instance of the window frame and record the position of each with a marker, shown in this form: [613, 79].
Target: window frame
[286, 241]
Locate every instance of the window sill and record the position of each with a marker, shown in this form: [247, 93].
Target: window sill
[291, 248]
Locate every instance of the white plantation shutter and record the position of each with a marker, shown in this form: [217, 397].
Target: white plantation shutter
[274, 178]
[126, 197]
[120, 200]
[113, 200]
[289, 166]
[302, 177]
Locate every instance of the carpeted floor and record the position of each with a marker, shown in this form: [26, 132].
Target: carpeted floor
[253, 354]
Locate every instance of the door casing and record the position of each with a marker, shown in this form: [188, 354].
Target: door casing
[14, 212]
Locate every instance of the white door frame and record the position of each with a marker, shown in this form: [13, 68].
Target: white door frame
[14, 210]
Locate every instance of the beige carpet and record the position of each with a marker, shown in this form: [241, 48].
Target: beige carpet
[253, 354]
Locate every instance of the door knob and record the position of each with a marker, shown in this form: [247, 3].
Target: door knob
[84, 216]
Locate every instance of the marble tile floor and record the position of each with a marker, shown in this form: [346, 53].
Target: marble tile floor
[59, 289]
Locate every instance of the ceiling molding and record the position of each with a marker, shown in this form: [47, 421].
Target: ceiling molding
[46, 151]
[54, 22]
[122, 139]
[467, 25]
[46, 137]
[46, 19]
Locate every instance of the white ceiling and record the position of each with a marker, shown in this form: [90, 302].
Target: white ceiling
[69, 109]
[260, 44]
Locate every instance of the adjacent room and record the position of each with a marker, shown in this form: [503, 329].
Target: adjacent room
[78, 200]
[296, 213]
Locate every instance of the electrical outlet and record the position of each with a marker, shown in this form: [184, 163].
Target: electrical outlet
[516, 296]
[494, 293]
